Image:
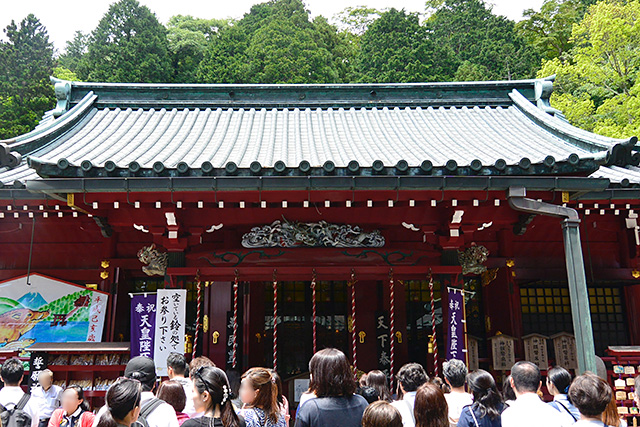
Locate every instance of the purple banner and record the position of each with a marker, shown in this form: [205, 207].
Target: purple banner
[143, 324]
[455, 339]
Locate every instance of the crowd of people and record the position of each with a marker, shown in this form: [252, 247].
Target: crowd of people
[200, 394]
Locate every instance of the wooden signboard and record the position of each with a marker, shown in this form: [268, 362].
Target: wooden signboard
[474, 363]
[503, 352]
[535, 350]
[564, 346]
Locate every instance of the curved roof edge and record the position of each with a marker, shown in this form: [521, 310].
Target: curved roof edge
[562, 129]
[33, 140]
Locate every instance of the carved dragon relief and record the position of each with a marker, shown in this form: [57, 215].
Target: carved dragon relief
[471, 259]
[311, 234]
[156, 261]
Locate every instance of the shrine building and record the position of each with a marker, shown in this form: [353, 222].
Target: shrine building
[335, 215]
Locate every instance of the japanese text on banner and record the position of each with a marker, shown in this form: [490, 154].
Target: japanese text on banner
[455, 340]
[170, 326]
[143, 324]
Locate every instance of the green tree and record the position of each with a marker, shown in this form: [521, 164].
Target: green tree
[188, 38]
[549, 29]
[129, 45]
[396, 48]
[276, 42]
[74, 51]
[356, 20]
[26, 62]
[478, 36]
[597, 85]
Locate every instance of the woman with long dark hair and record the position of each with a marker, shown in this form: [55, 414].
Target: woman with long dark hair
[74, 411]
[259, 393]
[558, 383]
[430, 409]
[378, 380]
[123, 404]
[487, 402]
[212, 396]
[508, 395]
[333, 385]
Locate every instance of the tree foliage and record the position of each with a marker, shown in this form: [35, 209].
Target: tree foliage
[26, 62]
[276, 42]
[129, 45]
[597, 83]
[396, 48]
[482, 39]
[188, 39]
[591, 45]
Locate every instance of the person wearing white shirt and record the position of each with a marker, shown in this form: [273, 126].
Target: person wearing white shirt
[591, 395]
[455, 374]
[410, 377]
[11, 374]
[143, 369]
[529, 410]
[558, 382]
[48, 396]
[176, 370]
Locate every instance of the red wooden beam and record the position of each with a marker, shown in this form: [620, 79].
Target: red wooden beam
[305, 273]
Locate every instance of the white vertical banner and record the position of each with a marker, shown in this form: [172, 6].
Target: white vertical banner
[97, 311]
[170, 322]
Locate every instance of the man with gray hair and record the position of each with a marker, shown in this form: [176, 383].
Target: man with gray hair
[48, 395]
[455, 374]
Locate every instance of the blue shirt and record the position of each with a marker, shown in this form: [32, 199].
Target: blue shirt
[562, 404]
[466, 419]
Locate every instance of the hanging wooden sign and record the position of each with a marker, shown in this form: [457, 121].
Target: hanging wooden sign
[535, 350]
[503, 352]
[564, 346]
[474, 363]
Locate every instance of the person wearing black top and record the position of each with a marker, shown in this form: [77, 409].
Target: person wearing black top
[212, 395]
[333, 385]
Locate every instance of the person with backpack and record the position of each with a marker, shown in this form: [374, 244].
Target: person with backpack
[17, 409]
[153, 412]
[123, 404]
[75, 410]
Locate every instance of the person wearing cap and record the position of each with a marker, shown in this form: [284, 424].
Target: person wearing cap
[143, 369]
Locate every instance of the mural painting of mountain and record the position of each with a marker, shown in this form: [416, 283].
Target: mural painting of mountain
[52, 311]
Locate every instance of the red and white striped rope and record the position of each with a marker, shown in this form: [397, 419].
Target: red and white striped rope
[433, 327]
[392, 327]
[354, 348]
[275, 322]
[198, 312]
[234, 359]
[314, 312]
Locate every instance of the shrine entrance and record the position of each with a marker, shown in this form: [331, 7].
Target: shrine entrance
[295, 322]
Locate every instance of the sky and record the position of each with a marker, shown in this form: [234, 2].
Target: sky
[64, 18]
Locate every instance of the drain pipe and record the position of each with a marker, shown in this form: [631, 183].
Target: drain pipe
[580, 311]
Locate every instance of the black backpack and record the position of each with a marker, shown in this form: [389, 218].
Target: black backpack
[16, 417]
[145, 411]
